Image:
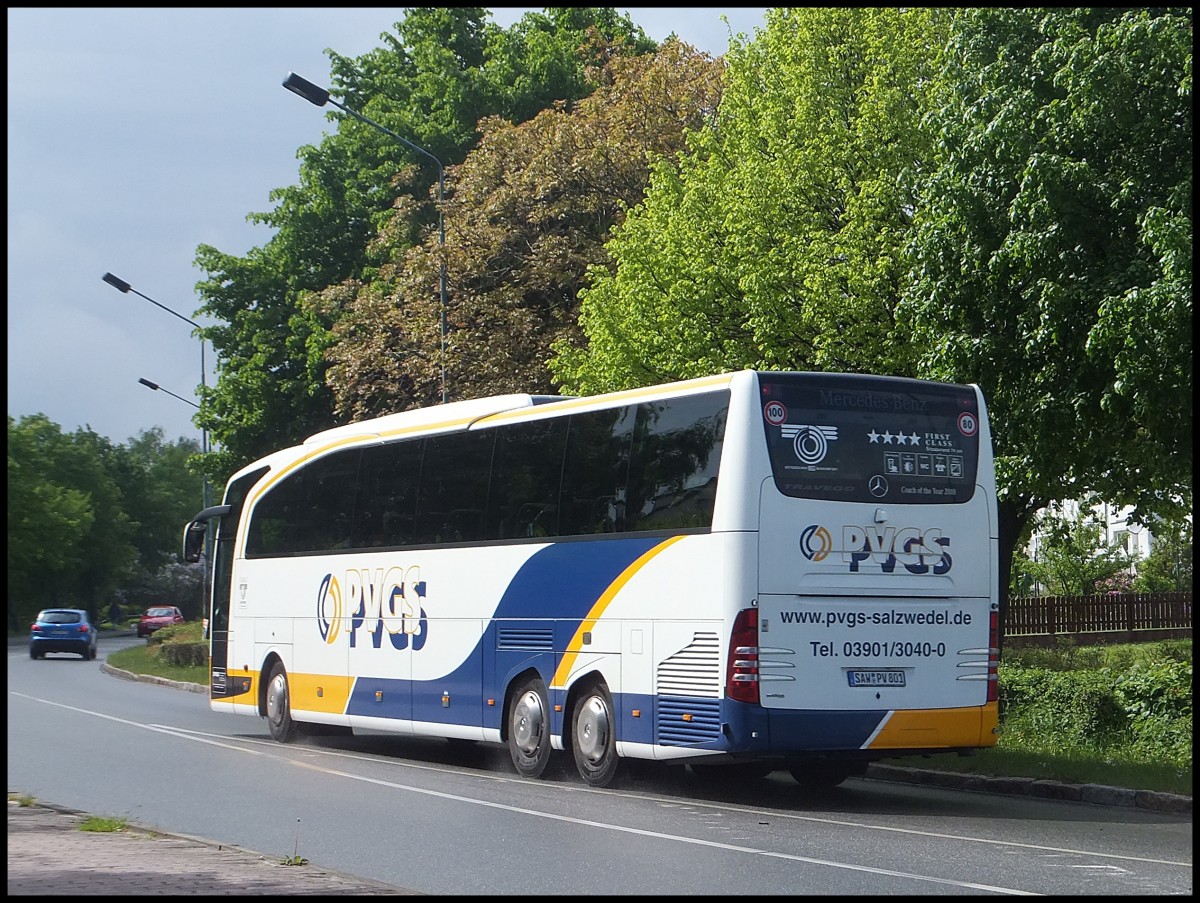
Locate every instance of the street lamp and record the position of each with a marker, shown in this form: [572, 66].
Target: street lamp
[122, 286]
[157, 388]
[318, 96]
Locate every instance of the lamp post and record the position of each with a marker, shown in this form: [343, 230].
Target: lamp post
[319, 96]
[203, 573]
[124, 287]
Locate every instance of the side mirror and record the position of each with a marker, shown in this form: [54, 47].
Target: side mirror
[193, 540]
[195, 532]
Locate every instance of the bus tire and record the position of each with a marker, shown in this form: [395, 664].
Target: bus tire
[529, 728]
[279, 707]
[594, 736]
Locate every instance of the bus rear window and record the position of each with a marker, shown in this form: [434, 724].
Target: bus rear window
[850, 438]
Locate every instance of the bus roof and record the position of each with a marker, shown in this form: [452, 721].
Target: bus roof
[454, 414]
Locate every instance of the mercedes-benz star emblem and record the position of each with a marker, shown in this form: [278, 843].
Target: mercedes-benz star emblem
[878, 486]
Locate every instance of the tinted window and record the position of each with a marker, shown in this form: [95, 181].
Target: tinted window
[454, 486]
[526, 472]
[310, 510]
[868, 439]
[673, 465]
[385, 508]
[235, 498]
[596, 471]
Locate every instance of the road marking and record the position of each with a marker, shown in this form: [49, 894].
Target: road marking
[272, 750]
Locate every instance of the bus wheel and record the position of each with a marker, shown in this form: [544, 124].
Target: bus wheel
[529, 728]
[593, 736]
[279, 709]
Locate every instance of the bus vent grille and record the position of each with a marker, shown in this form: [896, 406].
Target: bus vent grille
[694, 670]
[684, 721]
[539, 639]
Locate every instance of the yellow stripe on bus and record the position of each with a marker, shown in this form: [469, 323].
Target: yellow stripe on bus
[934, 728]
[567, 664]
[319, 692]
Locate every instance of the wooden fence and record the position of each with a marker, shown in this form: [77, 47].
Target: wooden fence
[1108, 618]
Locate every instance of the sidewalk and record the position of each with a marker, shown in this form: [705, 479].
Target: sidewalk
[49, 855]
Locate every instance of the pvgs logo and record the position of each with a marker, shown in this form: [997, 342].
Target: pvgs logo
[378, 603]
[917, 551]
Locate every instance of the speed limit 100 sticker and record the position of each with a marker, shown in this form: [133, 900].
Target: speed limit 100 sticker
[968, 424]
[775, 412]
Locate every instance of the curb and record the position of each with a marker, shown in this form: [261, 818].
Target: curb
[106, 668]
[1096, 794]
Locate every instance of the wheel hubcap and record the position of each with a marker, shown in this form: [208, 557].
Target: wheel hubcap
[528, 718]
[277, 698]
[591, 730]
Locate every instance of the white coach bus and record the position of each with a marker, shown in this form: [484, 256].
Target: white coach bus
[755, 570]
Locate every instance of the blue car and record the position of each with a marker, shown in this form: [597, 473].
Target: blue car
[62, 630]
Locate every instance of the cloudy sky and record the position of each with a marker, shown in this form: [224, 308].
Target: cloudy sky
[136, 135]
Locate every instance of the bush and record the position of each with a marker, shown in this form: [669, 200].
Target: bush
[181, 645]
[1157, 700]
[1079, 708]
[183, 655]
[1141, 709]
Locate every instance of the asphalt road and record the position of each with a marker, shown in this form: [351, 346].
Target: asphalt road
[405, 816]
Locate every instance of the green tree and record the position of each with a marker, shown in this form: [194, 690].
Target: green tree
[531, 208]
[442, 70]
[1168, 567]
[1052, 251]
[70, 539]
[1072, 558]
[777, 241]
[160, 493]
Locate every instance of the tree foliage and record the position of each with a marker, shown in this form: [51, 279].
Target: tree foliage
[1072, 557]
[1168, 567]
[1052, 250]
[776, 241]
[86, 518]
[442, 70]
[530, 210]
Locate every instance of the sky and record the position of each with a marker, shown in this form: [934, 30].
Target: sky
[137, 135]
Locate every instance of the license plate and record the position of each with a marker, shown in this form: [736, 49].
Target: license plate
[876, 678]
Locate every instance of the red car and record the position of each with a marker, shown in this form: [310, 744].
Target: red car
[158, 617]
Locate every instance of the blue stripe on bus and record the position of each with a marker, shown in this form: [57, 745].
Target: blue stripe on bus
[567, 578]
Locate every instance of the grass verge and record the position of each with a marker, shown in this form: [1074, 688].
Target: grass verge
[1072, 767]
[148, 658]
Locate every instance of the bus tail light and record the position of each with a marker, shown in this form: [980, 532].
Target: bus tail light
[993, 672]
[741, 676]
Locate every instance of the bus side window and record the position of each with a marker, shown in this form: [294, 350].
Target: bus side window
[386, 504]
[674, 463]
[595, 472]
[308, 511]
[526, 472]
[454, 487]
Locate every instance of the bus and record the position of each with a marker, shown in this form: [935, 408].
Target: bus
[747, 572]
